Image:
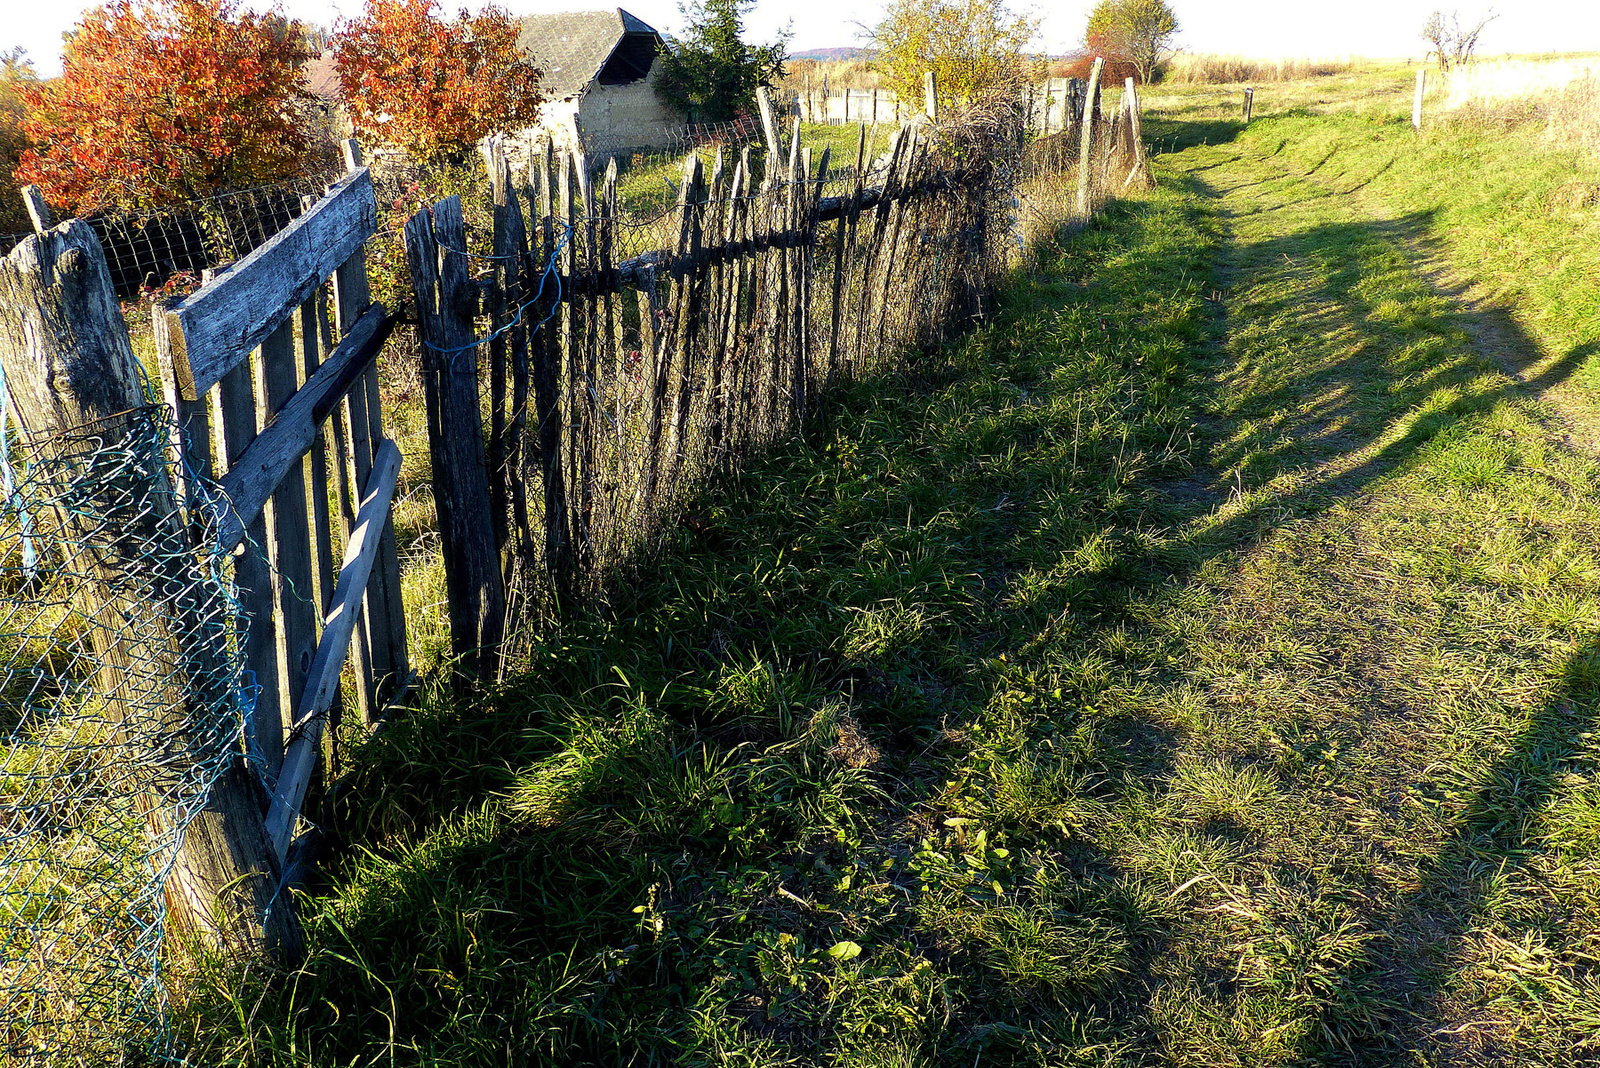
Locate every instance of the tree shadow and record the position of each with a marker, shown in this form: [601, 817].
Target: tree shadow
[1423, 936]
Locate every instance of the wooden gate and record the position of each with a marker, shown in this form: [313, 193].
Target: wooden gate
[249, 363]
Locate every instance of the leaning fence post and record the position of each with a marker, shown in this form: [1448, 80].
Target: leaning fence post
[446, 304]
[162, 655]
[1086, 142]
[1416, 102]
[1249, 103]
[1141, 166]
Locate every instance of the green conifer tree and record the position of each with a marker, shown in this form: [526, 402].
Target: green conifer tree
[711, 74]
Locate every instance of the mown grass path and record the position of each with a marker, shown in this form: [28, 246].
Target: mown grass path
[1194, 666]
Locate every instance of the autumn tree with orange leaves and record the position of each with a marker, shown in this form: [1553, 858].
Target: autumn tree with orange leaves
[164, 100]
[433, 87]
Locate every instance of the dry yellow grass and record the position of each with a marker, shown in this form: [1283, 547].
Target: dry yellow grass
[839, 74]
[1566, 89]
[1205, 69]
[1506, 80]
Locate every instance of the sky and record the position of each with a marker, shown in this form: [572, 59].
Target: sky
[1256, 28]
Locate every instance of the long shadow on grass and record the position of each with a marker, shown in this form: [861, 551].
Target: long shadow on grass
[1340, 426]
[1497, 842]
[646, 848]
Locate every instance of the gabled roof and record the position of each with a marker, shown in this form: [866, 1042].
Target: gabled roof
[572, 47]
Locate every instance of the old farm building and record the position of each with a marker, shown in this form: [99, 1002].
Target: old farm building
[600, 83]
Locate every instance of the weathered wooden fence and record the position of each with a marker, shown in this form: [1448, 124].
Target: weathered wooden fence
[1049, 107]
[576, 398]
[610, 388]
[248, 362]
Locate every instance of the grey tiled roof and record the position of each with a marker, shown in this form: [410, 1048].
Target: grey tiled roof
[572, 47]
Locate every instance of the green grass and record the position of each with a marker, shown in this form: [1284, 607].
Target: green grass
[1196, 665]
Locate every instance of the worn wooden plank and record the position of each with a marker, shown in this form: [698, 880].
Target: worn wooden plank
[461, 485]
[547, 390]
[385, 598]
[588, 380]
[610, 321]
[769, 129]
[288, 527]
[215, 328]
[253, 573]
[316, 342]
[311, 353]
[799, 390]
[192, 442]
[38, 210]
[725, 285]
[293, 431]
[575, 405]
[843, 234]
[381, 633]
[352, 460]
[689, 291]
[742, 316]
[514, 281]
[360, 554]
[1140, 171]
[501, 311]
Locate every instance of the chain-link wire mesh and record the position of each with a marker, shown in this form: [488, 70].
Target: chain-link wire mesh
[122, 699]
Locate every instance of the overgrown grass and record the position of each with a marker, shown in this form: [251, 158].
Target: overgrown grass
[1195, 665]
[1210, 69]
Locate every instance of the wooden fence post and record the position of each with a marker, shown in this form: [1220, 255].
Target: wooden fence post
[68, 362]
[769, 127]
[1086, 142]
[1416, 102]
[930, 92]
[446, 303]
[1141, 167]
[1249, 103]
